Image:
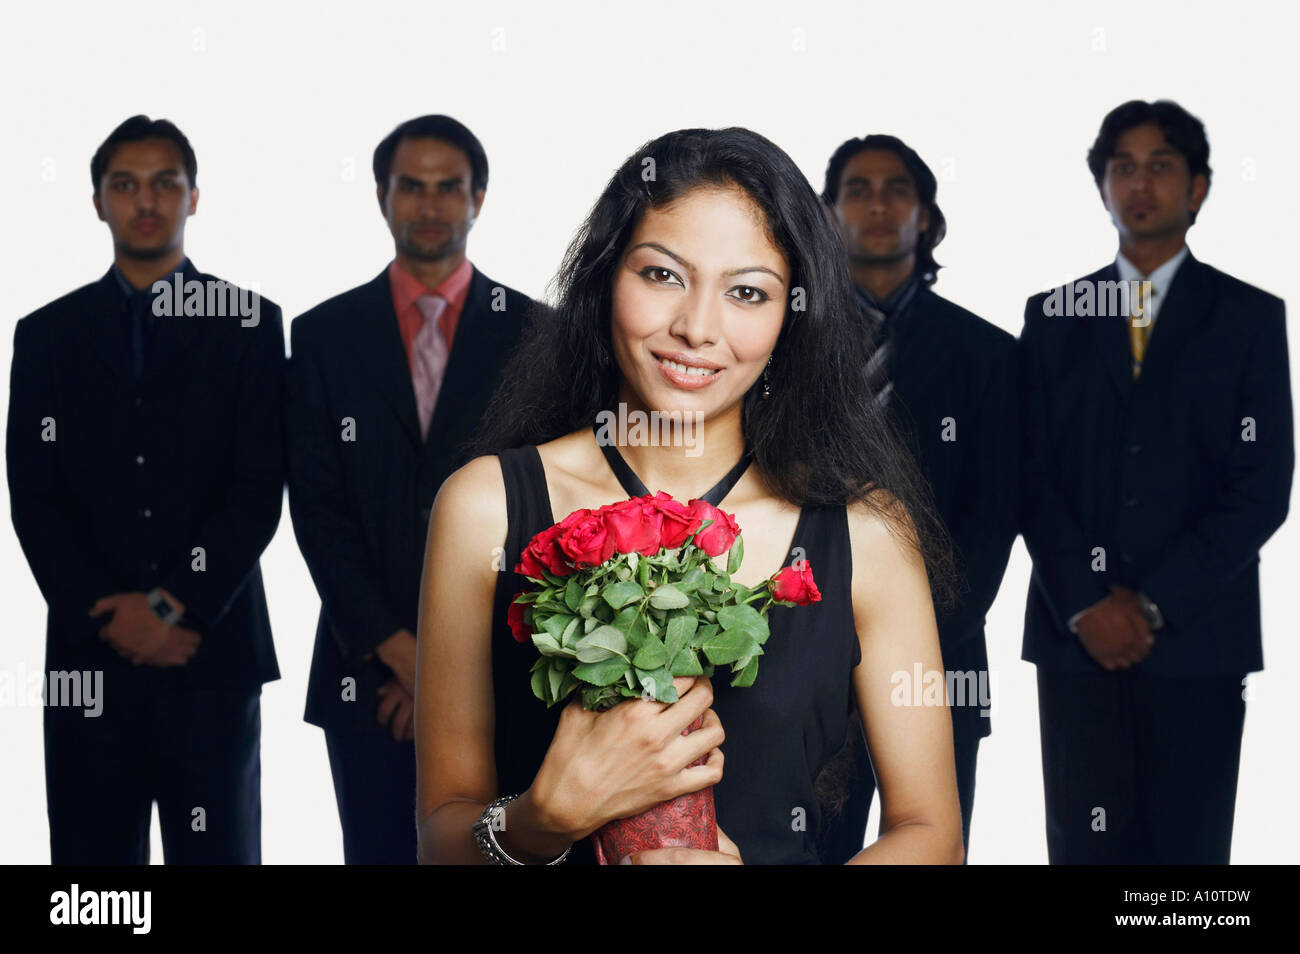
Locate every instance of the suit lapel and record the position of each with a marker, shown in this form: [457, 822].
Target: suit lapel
[175, 334]
[379, 342]
[1114, 351]
[1188, 301]
[104, 326]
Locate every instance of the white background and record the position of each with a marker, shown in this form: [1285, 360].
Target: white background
[284, 105]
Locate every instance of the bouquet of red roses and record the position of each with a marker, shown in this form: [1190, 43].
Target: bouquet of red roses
[626, 598]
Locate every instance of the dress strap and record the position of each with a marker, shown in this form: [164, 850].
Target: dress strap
[636, 488]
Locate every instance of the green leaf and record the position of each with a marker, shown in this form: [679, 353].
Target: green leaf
[727, 646]
[588, 605]
[572, 594]
[685, 663]
[556, 623]
[696, 577]
[746, 677]
[659, 683]
[570, 683]
[538, 682]
[601, 643]
[668, 597]
[735, 555]
[680, 630]
[620, 594]
[744, 618]
[703, 634]
[570, 633]
[643, 574]
[601, 698]
[546, 644]
[651, 655]
[602, 673]
[556, 676]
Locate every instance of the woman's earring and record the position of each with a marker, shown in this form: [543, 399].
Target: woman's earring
[767, 381]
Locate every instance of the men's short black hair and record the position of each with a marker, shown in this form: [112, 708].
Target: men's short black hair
[1181, 130]
[439, 127]
[138, 129]
[927, 188]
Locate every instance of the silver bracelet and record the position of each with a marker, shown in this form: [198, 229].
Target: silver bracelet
[485, 835]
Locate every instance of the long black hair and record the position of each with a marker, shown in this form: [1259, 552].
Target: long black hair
[820, 439]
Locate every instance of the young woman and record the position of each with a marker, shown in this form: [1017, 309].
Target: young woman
[707, 278]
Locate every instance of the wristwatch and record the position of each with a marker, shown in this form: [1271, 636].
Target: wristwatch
[485, 835]
[1155, 619]
[162, 606]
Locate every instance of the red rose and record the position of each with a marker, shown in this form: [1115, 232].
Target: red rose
[635, 526]
[586, 541]
[718, 536]
[543, 551]
[520, 629]
[679, 522]
[795, 584]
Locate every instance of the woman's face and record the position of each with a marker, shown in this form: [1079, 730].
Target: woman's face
[698, 302]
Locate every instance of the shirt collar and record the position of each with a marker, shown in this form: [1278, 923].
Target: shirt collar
[407, 288]
[128, 289]
[1160, 278]
[895, 302]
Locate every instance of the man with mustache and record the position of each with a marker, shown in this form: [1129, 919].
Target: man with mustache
[1158, 460]
[146, 474]
[387, 383]
[947, 377]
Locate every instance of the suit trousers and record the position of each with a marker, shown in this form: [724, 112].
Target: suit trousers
[197, 752]
[1139, 769]
[843, 834]
[374, 785]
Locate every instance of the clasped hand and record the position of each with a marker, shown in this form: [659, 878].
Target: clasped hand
[1115, 633]
[136, 633]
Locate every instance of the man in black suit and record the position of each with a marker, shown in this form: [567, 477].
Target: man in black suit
[1158, 459]
[388, 383]
[947, 377]
[146, 474]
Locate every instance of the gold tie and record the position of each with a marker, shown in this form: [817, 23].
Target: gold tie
[1138, 335]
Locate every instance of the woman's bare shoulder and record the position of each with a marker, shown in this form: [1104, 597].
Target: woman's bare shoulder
[883, 538]
[474, 497]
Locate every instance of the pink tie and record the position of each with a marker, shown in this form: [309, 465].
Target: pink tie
[428, 358]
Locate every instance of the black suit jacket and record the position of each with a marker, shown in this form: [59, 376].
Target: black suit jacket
[139, 474]
[946, 362]
[1157, 473]
[360, 508]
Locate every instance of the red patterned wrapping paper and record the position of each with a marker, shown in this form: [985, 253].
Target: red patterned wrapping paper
[688, 821]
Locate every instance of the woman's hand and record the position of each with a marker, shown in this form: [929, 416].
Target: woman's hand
[620, 762]
[727, 854]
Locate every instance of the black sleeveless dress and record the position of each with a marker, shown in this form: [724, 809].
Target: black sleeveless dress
[781, 731]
